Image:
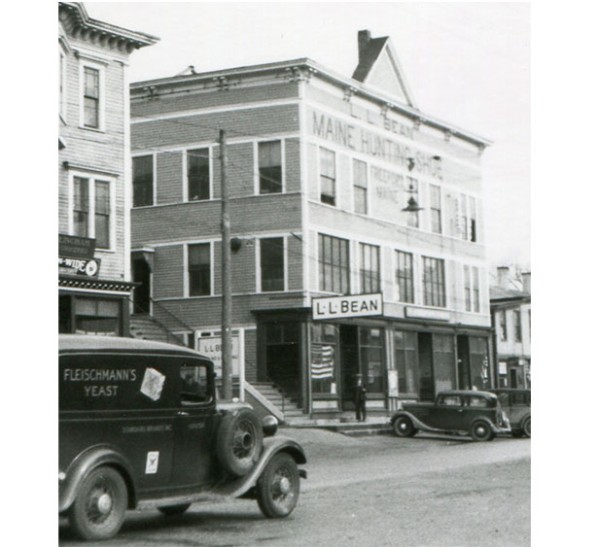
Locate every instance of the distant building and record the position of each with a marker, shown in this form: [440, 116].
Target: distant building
[93, 172]
[357, 228]
[510, 305]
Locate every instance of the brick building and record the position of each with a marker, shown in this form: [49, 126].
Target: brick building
[93, 172]
[356, 223]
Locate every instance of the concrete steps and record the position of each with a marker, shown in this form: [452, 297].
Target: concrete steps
[144, 327]
[287, 405]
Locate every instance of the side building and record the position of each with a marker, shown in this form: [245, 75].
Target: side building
[356, 224]
[94, 282]
[510, 306]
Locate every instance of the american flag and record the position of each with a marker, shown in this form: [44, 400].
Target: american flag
[321, 361]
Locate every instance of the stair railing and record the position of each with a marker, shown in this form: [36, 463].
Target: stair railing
[170, 334]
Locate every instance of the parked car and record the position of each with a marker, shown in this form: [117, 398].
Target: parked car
[517, 404]
[477, 413]
[140, 426]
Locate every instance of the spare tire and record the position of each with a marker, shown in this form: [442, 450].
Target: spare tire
[239, 441]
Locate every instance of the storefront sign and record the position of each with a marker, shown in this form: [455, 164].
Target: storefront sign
[87, 267]
[211, 347]
[359, 305]
[427, 313]
[75, 246]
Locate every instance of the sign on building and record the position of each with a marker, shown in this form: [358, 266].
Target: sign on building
[358, 305]
[211, 347]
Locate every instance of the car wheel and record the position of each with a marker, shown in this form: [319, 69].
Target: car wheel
[481, 431]
[99, 508]
[278, 487]
[173, 510]
[239, 441]
[527, 427]
[403, 427]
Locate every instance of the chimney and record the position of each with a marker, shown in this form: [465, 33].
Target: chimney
[502, 280]
[364, 37]
[526, 282]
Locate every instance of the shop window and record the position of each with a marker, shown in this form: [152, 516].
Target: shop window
[369, 268]
[327, 174]
[334, 270]
[323, 354]
[435, 209]
[143, 181]
[92, 210]
[443, 362]
[405, 291]
[269, 167]
[198, 174]
[360, 186]
[272, 264]
[434, 286]
[405, 348]
[479, 364]
[517, 325]
[97, 316]
[372, 358]
[199, 269]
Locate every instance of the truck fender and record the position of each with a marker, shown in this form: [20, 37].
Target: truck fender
[271, 447]
[84, 463]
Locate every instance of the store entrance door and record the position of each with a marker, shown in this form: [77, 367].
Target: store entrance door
[426, 387]
[462, 350]
[350, 364]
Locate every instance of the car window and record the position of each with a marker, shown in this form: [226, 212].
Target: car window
[194, 384]
[480, 402]
[504, 398]
[451, 400]
[520, 398]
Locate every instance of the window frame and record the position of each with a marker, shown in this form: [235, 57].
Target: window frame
[434, 290]
[187, 272]
[322, 176]
[368, 285]
[518, 325]
[363, 188]
[435, 212]
[344, 270]
[186, 173]
[502, 326]
[257, 174]
[259, 265]
[101, 69]
[92, 179]
[153, 188]
[401, 287]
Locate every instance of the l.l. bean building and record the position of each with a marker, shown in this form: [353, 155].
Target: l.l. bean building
[356, 224]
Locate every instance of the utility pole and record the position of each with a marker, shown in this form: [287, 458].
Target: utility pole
[225, 274]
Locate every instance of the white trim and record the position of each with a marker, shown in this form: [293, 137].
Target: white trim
[258, 268]
[213, 110]
[186, 271]
[256, 166]
[101, 68]
[154, 185]
[185, 182]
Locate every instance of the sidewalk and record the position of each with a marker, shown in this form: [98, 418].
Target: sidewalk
[376, 425]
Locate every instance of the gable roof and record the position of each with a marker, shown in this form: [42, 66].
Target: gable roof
[379, 66]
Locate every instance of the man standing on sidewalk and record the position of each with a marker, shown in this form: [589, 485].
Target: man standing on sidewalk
[360, 399]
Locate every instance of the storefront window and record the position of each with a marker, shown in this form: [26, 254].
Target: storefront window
[405, 347]
[96, 316]
[372, 359]
[478, 358]
[323, 351]
[443, 362]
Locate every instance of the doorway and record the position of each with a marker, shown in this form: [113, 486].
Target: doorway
[141, 294]
[462, 350]
[426, 387]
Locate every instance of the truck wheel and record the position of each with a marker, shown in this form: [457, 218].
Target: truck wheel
[99, 508]
[403, 427]
[481, 431]
[278, 488]
[239, 441]
[173, 510]
[527, 427]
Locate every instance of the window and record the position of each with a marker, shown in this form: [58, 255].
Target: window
[96, 316]
[502, 324]
[451, 400]
[327, 176]
[92, 210]
[372, 358]
[434, 286]
[143, 181]
[518, 328]
[369, 268]
[471, 288]
[463, 223]
[435, 208]
[467, 283]
[269, 167]
[194, 384]
[479, 402]
[405, 291]
[412, 191]
[405, 347]
[476, 300]
[334, 271]
[199, 269]
[198, 174]
[323, 349]
[91, 97]
[360, 186]
[472, 219]
[272, 266]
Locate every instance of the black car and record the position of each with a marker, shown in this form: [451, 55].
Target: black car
[517, 404]
[477, 413]
[140, 426]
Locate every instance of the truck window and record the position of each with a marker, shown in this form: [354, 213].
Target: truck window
[194, 384]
